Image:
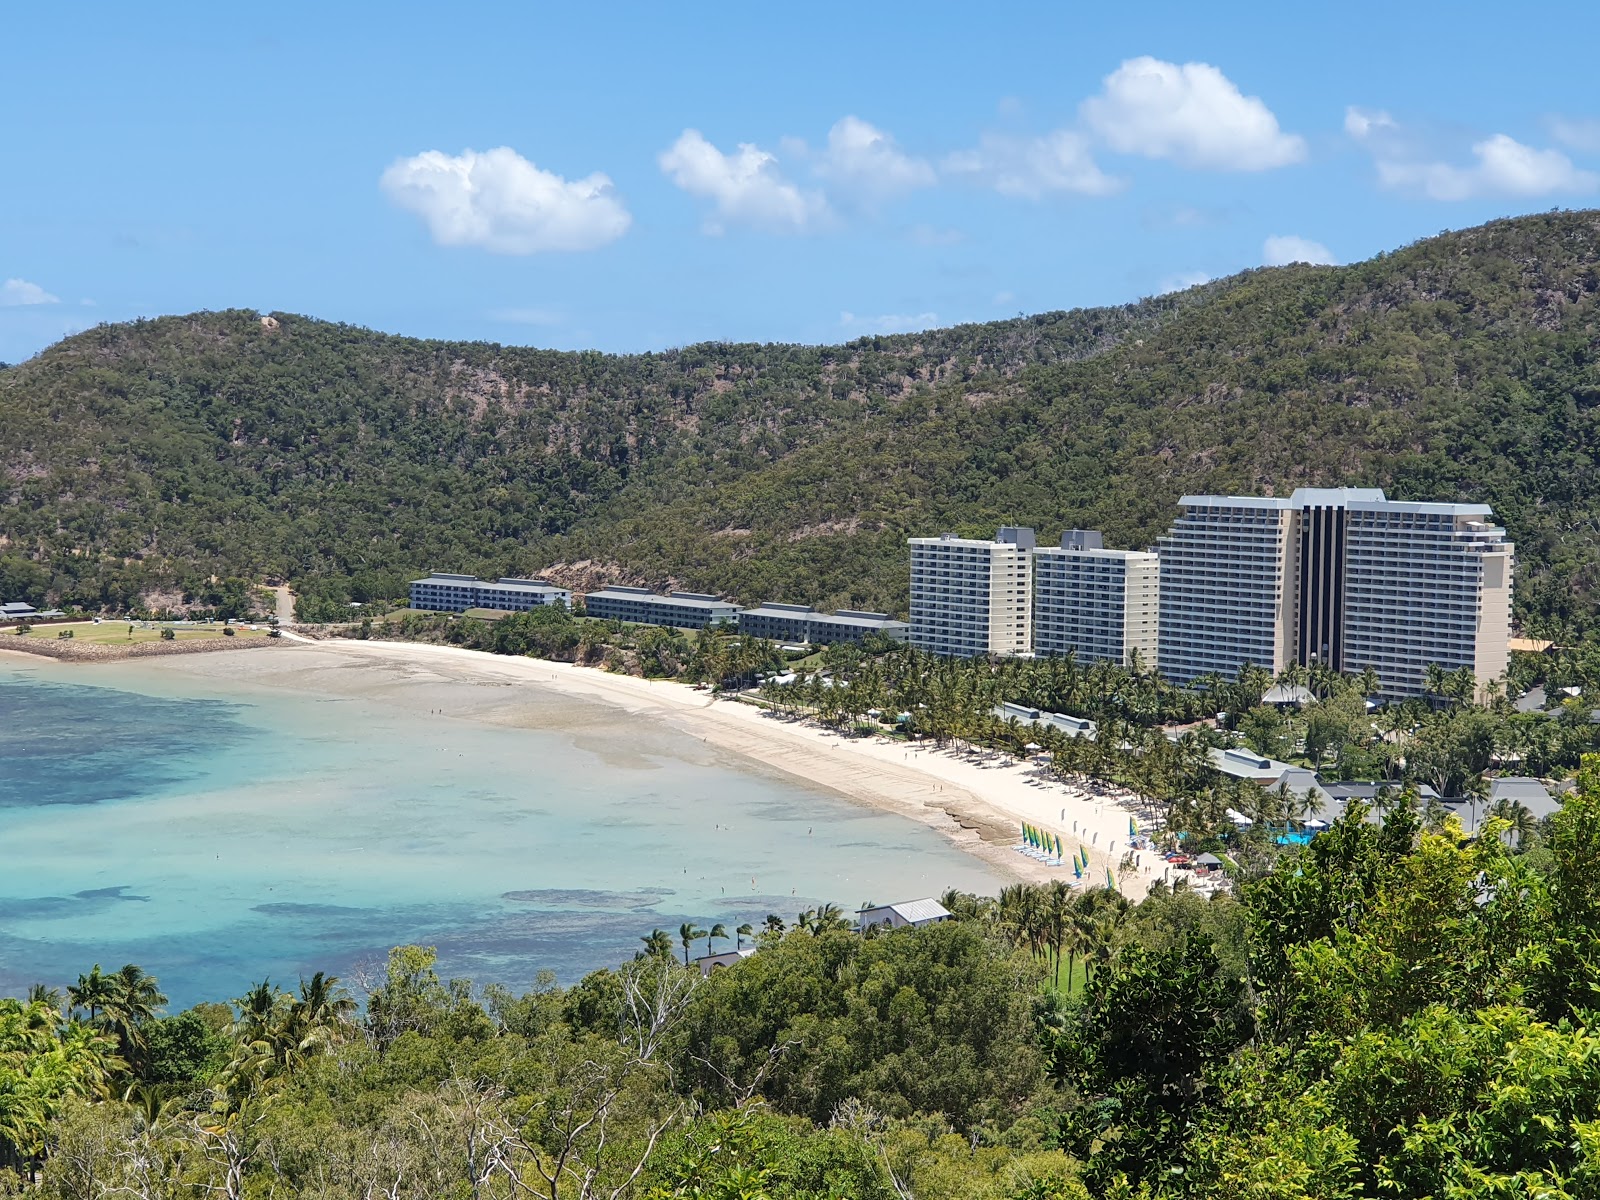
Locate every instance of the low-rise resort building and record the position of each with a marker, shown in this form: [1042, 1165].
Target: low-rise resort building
[801, 624]
[444, 592]
[676, 610]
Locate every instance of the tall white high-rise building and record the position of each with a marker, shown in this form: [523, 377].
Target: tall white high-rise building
[971, 597]
[1227, 587]
[1097, 604]
[1425, 584]
[1339, 576]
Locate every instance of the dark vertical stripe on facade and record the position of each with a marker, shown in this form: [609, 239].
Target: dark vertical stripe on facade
[1321, 600]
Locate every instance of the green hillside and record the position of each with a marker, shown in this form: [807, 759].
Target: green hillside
[1462, 367]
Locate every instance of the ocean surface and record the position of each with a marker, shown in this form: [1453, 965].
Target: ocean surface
[224, 818]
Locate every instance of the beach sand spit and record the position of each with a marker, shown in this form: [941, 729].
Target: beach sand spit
[976, 800]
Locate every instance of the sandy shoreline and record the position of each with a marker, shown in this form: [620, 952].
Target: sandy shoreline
[975, 801]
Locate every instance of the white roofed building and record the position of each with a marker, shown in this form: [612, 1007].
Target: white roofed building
[908, 914]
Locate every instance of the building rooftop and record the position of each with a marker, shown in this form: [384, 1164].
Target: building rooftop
[913, 911]
[1310, 497]
[676, 599]
[1422, 508]
[1247, 764]
[1521, 789]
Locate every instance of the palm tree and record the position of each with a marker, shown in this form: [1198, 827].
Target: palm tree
[690, 934]
[258, 1014]
[658, 944]
[317, 1017]
[774, 923]
[90, 993]
[744, 931]
[719, 930]
[39, 993]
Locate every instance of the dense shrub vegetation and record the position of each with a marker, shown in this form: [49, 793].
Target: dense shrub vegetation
[1391, 1010]
[181, 451]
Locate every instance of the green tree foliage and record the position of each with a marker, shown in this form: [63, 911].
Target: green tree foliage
[934, 1020]
[1391, 1010]
[170, 451]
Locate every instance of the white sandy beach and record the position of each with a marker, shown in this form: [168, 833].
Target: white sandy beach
[978, 802]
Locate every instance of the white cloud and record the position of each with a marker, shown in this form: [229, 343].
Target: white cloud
[864, 160]
[1033, 167]
[1503, 167]
[15, 293]
[890, 322]
[1281, 249]
[1578, 133]
[527, 316]
[501, 202]
[1192, 114]
[1182, 282]
[933, 235]
[1361, 123]
[746, 187]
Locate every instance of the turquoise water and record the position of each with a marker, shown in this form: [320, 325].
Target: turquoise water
[222, 818]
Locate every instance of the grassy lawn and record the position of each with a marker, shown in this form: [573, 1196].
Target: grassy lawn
[115, 633]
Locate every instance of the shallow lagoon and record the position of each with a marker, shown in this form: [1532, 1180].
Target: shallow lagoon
[220, 818]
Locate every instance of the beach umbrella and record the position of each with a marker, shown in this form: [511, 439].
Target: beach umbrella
[1077, 871]
[1133, 828]
[1110, 884]
[1058, 845]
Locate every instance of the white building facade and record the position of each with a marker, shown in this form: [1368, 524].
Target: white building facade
[970, 597]
[676, 610]
[1426, 584]
[1099, 605]
[444, 592]
[1227, 577]
[1339, 576]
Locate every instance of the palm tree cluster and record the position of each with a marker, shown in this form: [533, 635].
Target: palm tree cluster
[658, 942]
[1156, 740]
[120, 1004]
[1055, 923]
[44, 1060]
[276, 1030]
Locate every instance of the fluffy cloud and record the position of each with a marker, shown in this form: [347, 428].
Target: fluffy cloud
[1362, 123]
[890, 322]
[1503, 166]
[1034, 167]
[864, 160]
[1580, 133]
[501, 202]
[1281, 249]
[1192, 114]
[1182, 282]
[745, 187]
[14, 293]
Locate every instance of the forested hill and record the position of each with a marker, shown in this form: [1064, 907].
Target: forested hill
[1462, 367]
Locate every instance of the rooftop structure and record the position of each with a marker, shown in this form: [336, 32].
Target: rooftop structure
[445, 592]
[1023, 715]
[676, 610]
[720, 961]
[1098, 605]
[800, 623]
[906, 914]
[970, 597]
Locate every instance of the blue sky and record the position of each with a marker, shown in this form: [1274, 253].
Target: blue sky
[572, 176]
